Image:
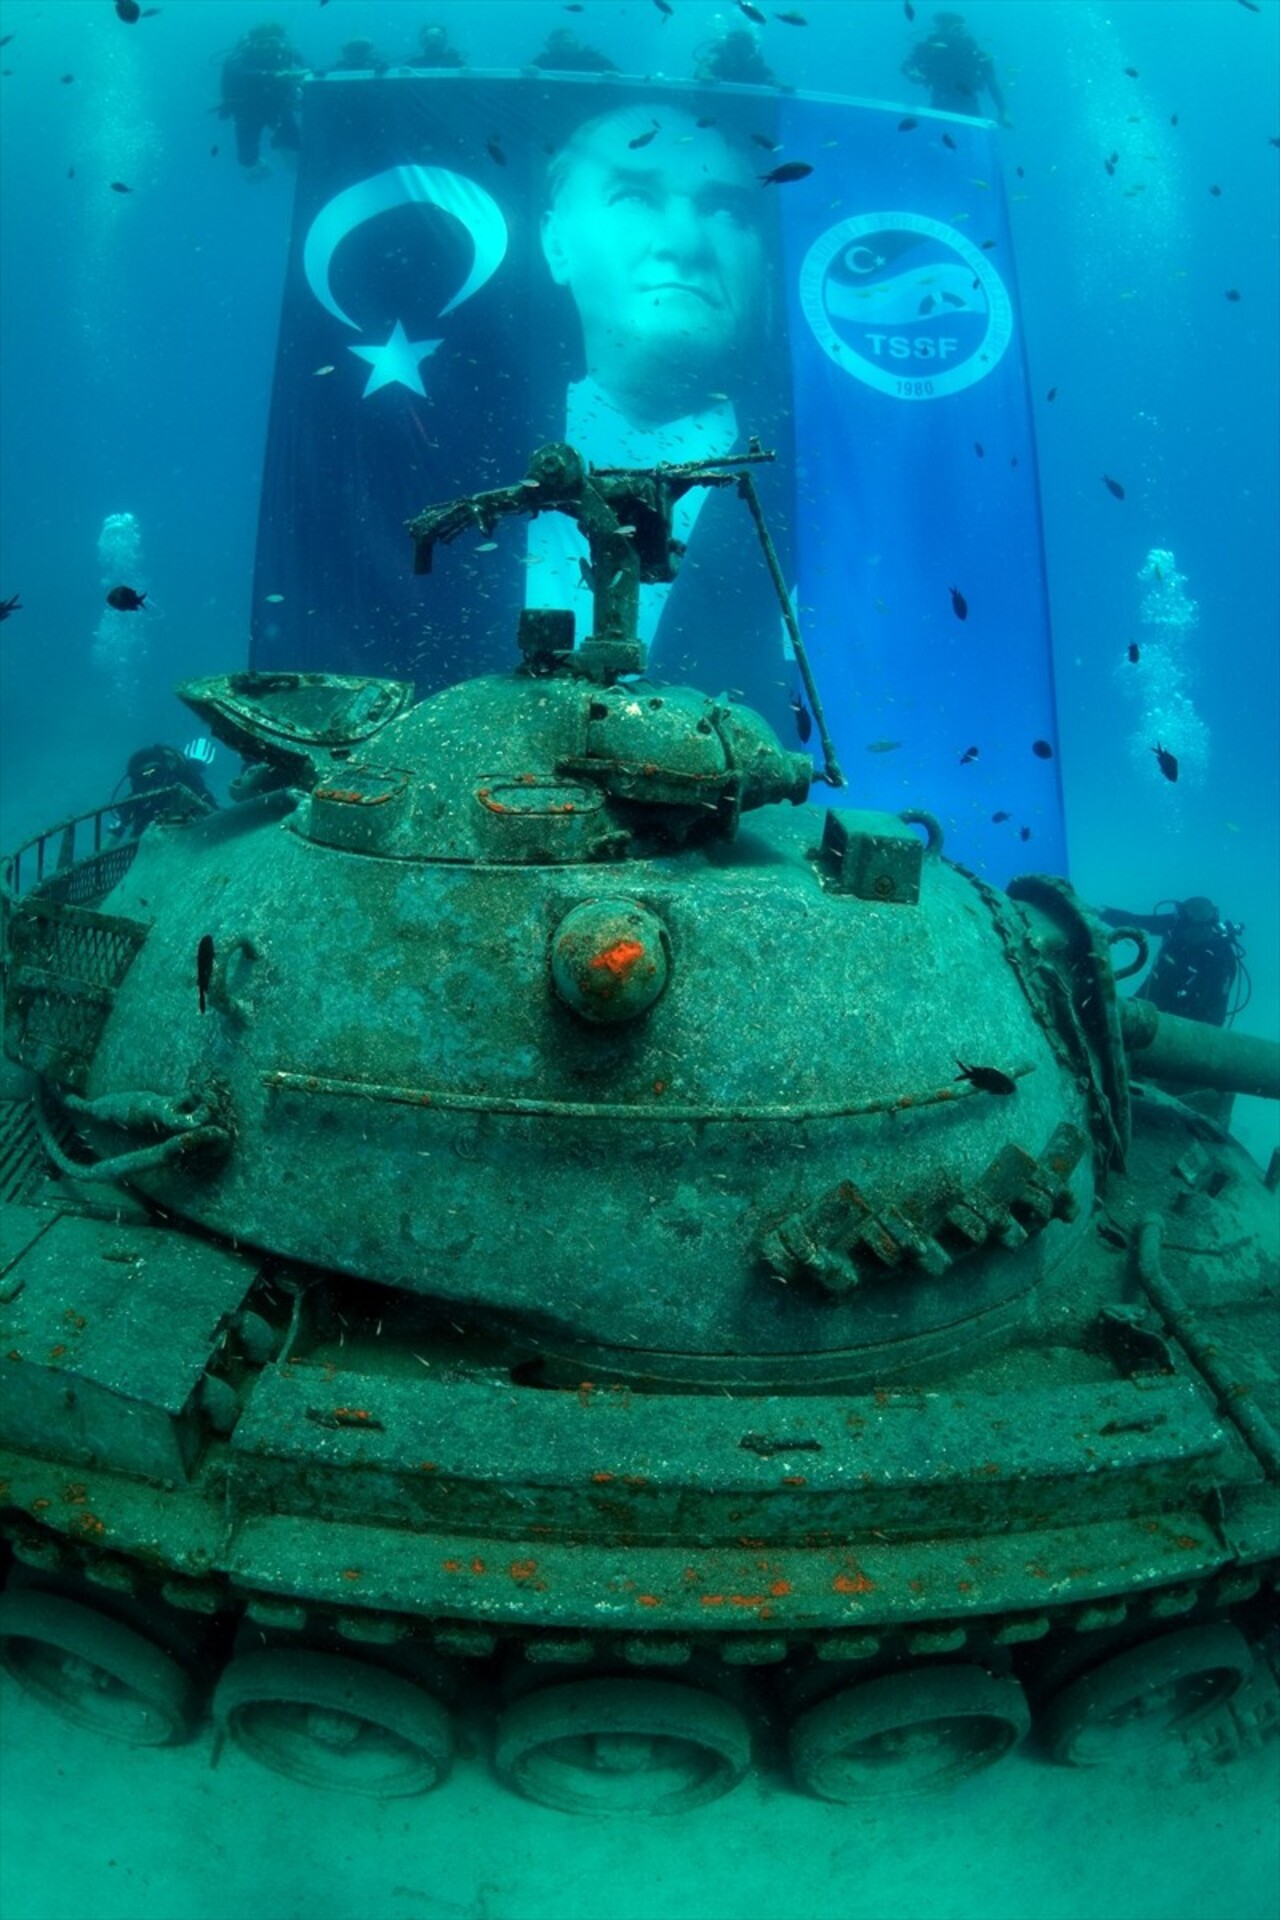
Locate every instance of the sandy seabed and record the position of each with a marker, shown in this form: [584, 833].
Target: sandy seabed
[91, 1830]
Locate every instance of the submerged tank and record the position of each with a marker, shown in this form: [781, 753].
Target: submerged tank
[524, 1222]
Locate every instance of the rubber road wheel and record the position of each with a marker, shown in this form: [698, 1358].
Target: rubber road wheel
[334, 1722]
[622, 1746]
[907, 1733]
[92, 1670]
[1146, 1694]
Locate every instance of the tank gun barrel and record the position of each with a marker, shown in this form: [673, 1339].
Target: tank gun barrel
[1164, 1046]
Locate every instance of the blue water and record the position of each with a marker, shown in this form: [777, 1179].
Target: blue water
[138, 332]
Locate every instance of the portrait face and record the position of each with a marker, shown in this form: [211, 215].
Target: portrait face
[660, 245]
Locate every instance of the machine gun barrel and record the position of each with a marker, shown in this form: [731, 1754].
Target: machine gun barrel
[1163, 1046]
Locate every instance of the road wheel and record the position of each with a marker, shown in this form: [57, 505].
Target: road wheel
[907, 1733]
[92, 1670]
[1146, 1694]
[330, 1721]
[622, 1746]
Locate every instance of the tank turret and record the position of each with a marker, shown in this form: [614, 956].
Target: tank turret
[525, 1200]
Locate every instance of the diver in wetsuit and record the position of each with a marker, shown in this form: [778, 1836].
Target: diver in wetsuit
[1199, 962]
[152, 772]
[259, 91]
[955, 69]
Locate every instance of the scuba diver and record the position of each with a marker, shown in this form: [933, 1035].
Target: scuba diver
[955, 69]
[734, 56]
[1200, 961]
[565, 53]
[152, 772]
[260, 89]
[434, 49]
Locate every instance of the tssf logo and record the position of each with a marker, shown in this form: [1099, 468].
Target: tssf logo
[905, 304]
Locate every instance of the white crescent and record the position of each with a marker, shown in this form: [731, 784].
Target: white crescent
[453, 193]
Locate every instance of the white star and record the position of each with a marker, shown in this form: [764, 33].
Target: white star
[397, 361]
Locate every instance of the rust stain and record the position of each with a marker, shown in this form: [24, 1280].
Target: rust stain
[648, 1600]
[351, 1573]
[855, 1582]
[619, 959]
[90, 1523]
[601, 1479]
[523, 1569]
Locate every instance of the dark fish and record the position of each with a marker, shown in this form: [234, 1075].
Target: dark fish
[68, 79]
[493, 148]
[908, 125]
[125, 600]
[1052, 394]
[1110, 166]
[1216, 192]
[664, 9]
[1113, 486]
[118, 186]
[7, 38]
[952, 299]
[752, 13]
[707, 120]
[883, 746]
[947, 141]
[213, 153]
[1134, 655]
[986, 1079]
[927, 305]
[204, 967]
[979, 449]
[959, 605]
[968, 757]
[987, 245]
[71, 173]
[1131, 73]
[1013, 459]
[998, 818]
[1021, 172]
[1042, 750]
[1024, 833]
[788, 171]
[573, 7]
[804, 719]
[1251, 6]
[10, 606]
[791, 19]
[1114, 158]
[1233, 293]
[1167, 762]
[643, 139]
[1274, 140]
[1173, 119]
[908, 9]
[763, 140]
[128, 11]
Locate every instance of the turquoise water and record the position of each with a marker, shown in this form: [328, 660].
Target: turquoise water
[137, 343]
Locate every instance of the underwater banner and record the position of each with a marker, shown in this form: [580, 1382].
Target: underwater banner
[660, 272]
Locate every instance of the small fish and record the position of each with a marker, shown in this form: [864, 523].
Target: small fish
[1233, 293]
[68, 79]
[968, 757]
[643, 139]
[804, 719]
[979, 449]
[13, 605]
[1134, 653]
[959, 605]
[125, 600]
[707, 120]
[908, 9]
[947, 141]
[493, 147]
[71, 173]
[1167, 762]
[984, 184]
[128, 11]
[7, 38]
[1042, 750]
[1021, 172]
[753, 13]
[987, 245]
[1216, 192]
[1024, 833]
[1113, 486]
[927, 305]
[788, 171]
[588, 573]
[1052, 394]
[986, 1079]
[204, 967]
[320, 372]
[997, 819]
[1173, 119]
[883, 746]
[487, 546]
[791, 19]
[1273, 140]
[952, 299]
[1013, 459]
[763, 140]
[908, 125]
[213, 153]
[118, 186]
[275, 599]
[1110, 166]
[1131, 73]
[572, 6]
[1251, 6]
[664, 9]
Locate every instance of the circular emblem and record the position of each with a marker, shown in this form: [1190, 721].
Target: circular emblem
[905, 304]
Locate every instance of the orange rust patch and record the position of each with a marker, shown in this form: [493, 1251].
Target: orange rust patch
[426, 1466]
[600, 1479]
[75, 1492]
[635, 1479]
[351, 1573]
[90, 1523]
[74, 1319]
[40, 1505]
[1185, 1540]
[855, 1582]
[452, 1566]
[620, 958]
[477, 1566]
[523, 1569]
[712, 1599]
[794, 1480]
[56, 1353]
[648, 1600]
[780, 1587]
